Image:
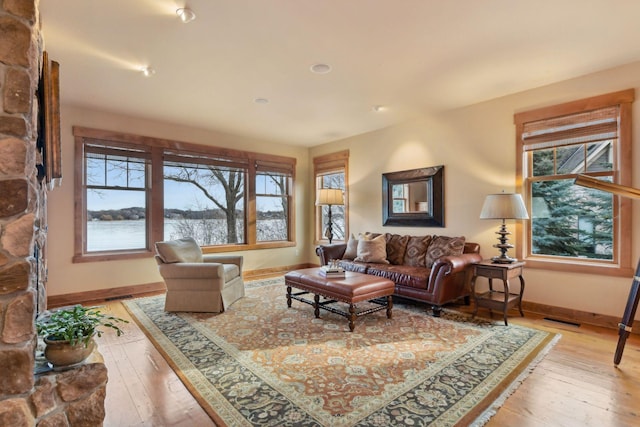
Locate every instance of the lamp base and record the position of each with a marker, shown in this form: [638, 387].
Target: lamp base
[504, 246]
[503, 260]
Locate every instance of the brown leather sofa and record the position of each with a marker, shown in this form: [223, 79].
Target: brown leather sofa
[430, 269]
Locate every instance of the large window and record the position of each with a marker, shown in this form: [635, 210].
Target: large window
[133, 191]
[331, 171]
[116, 198]
[572, 227]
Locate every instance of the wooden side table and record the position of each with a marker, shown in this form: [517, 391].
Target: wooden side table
[495, 299]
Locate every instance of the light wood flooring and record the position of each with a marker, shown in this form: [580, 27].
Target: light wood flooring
[576, 384]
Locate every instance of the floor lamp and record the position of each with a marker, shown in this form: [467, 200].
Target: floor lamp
[625, 326]
[329, 197]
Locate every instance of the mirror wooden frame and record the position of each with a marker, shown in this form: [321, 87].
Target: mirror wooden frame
[433, 177]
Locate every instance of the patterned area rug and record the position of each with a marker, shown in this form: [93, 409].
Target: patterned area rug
[263, 364]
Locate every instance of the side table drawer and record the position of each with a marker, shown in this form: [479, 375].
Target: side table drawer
[489, 272]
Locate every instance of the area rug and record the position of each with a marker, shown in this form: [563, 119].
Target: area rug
[261, 363]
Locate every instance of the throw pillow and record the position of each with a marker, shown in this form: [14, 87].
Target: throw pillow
[416, 251]
[396, 247]
[374, 250]
[352, 248]
[181, 250]
[443, 246]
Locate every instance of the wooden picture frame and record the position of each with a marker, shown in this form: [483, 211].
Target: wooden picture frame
[48, 142]
[427, 211]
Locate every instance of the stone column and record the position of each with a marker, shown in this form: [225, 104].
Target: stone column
[20, 53]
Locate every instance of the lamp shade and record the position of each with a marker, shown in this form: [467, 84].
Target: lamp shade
[329, 196]
[504, 206]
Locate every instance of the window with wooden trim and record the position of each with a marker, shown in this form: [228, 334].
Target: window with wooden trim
[116, 193]
[332, 171]
[574, 228]
[133, 191]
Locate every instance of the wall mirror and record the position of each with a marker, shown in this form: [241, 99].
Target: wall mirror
[413, 198]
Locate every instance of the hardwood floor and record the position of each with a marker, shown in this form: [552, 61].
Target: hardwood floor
[576, 384]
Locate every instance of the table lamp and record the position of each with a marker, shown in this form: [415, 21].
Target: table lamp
[503, 206]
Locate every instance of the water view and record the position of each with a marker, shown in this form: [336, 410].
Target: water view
[131, 234]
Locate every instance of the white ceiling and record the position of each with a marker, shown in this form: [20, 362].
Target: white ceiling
[410, 56]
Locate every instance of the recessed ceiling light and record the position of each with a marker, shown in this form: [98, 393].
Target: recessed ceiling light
[261, 101]
[186, 15]
[378, 108]
[321, 68]
[147, 71]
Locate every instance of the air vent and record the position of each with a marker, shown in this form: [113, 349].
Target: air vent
[565, 322]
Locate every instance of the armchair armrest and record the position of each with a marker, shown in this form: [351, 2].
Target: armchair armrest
[224, 259]
[329, 252]
[192, 270]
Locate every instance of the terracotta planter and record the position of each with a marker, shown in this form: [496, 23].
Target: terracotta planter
[62, 353]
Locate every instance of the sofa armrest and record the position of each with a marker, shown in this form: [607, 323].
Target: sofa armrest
[192, 270]
[450, 265]
[224, 259]
[329, 252]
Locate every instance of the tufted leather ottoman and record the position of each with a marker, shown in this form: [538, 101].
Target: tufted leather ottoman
[352, 289]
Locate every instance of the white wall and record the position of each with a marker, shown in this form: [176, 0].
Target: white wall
[476, 145]
[66, 277]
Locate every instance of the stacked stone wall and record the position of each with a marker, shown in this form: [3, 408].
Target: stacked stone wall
[70, 398]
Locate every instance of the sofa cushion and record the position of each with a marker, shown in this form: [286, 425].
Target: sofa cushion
[396, 247]
[373, 250]
[414, 277]
[181, 250]
[443, 246]
[352, 248]
[358, 267]
[416, 252]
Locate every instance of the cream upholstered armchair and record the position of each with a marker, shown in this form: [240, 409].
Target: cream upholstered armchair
[195, 281]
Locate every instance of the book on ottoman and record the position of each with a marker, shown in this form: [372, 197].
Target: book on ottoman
[332, 272]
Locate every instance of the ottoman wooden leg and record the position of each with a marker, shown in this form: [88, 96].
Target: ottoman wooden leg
[352, 317]
[389, 307]
[289, 296]
[316, 306]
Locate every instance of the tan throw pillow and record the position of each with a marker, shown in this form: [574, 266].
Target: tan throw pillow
[352, 248]
[181, 250]
[443, 246]
[416, 251]
[396, 247]
[374, 250]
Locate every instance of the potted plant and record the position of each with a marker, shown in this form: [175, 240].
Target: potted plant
[68, 333]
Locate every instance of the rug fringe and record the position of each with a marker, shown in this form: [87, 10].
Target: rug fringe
[483, 418]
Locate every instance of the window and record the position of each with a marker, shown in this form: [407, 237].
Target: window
[204, 201]
[273, 201]
[574, 228]
[134, 191]
[116, 198]
[331, 171]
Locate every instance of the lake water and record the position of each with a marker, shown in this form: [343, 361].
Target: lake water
[118, 235]
[131, 234]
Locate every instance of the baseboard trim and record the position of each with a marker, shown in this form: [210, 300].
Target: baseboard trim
[104, 294]
[575, 316]
[275, 271]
